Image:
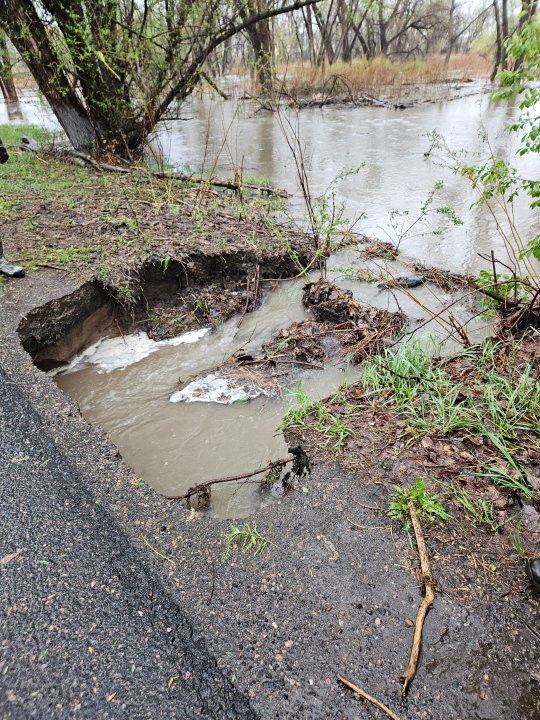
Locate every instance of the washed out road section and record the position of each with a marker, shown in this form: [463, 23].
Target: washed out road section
[87, 630]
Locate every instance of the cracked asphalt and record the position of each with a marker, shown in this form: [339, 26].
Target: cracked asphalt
[87, 630]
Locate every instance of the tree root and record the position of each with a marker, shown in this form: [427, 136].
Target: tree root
[429, 597]
[369, 697]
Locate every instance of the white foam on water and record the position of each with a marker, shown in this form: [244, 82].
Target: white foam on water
[212, 388]
[117, 353]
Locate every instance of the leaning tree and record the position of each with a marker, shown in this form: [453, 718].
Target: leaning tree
[111, 69]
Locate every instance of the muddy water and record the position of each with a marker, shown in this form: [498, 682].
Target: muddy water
[392, 144]
[173, 446]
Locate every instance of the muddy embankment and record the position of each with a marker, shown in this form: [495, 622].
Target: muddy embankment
[163, 299]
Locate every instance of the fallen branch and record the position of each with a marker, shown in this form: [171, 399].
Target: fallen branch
[227, 184]
[29, 144]
[369, 697]
[299, 460]
[429, 597]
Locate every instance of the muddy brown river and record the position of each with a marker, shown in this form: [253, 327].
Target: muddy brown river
[174, 445]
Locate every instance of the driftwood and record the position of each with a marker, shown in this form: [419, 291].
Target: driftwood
[367, 696]
[299, 460]
[429, 586]
[29, 144]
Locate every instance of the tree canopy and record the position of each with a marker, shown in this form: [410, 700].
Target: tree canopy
[111, 69]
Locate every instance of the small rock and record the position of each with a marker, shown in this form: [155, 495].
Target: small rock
[532, 568]
[411, 281]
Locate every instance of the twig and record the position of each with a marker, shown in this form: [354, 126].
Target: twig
[429, 597]
[366, 527]
[369, 697]
[153, 549]
[205, 485]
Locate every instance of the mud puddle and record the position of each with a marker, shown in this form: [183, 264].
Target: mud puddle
[125, 385]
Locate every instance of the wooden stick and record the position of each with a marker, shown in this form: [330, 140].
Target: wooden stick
[205, 485]
[369, 697]
[427, 602]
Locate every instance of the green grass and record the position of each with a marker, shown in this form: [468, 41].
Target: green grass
[480, 511]
[26, 172]
[56, 256]
[246, 539]
[307, 414]
[503, 409]
[428, 507]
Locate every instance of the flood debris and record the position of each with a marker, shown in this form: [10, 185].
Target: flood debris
[215, 389]
[300, 467]
[361, 330]
[428, 585]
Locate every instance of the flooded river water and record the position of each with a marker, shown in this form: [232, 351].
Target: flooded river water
[173, 446]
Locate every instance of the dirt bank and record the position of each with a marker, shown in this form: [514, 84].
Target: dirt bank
[336, 590]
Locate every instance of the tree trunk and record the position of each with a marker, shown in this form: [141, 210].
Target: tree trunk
[382, 31]
[505, 34]
[327, 47]
[28, 34]
[450, 33]
[498, 51]
[7, 86]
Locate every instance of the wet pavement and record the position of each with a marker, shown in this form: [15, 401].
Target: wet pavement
[87, 629]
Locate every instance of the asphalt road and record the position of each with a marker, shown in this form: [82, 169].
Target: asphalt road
[86, 628]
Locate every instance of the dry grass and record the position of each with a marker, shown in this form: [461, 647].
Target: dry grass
[363, 75]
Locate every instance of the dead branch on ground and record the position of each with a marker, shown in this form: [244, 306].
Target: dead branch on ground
[30, 145]
[300, 463]
[429, 586]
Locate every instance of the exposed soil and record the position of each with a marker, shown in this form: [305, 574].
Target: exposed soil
[336, 591]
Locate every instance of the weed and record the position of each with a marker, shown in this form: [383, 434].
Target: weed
[201, 307]
[6, 206]
[518, 545]
[480, 511]
[501, 477]
[125, 293]
[305, 413]
[246, 539]
[428, 507]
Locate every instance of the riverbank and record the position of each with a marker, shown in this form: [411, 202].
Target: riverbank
[336, 589]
